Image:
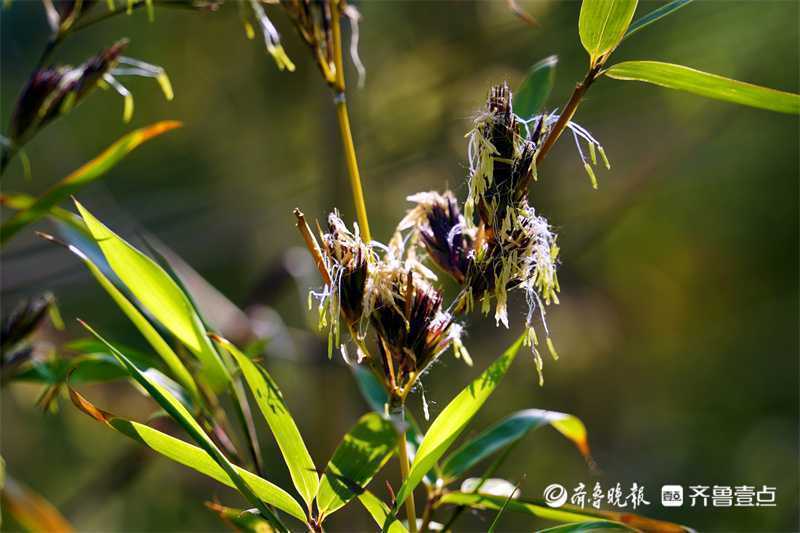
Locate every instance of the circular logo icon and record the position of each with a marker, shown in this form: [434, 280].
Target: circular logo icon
[555, 495]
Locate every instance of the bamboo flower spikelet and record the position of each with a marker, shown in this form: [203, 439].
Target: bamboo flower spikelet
[500, 243]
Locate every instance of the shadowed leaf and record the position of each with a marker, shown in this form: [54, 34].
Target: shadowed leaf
[704, 84]
[189, 455]
[178, 412]
[362, 453]
[91, 171]
[162, 348]
[535, 88]
[453, 419]
[272, 405]
[655, 15]
[160, 295]
[510, 430]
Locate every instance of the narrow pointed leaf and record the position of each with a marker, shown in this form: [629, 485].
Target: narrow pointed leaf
[160, 295]
[453, 419]
[362, 453]
[272, 405]
[31, 510]
[602, 24]
[704, 84]
[565, 513]
[179, 413]
[377, 398]
[535, 88]
[162, 348]
[91, 171]
[189, 455]
[510, 430]
[379, 512]
[655, 15]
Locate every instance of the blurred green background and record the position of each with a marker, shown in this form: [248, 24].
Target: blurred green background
[678, 323]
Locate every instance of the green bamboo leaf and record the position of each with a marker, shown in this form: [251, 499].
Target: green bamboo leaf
[704, 84]
[565, 513]
[602, 24]
[597, 526]
[272, 405]
[535, 88]
[91, 171]
[160, 295]
[510, 430]
[162, 348]
[380, 512]
[377, 398]
[189, 455]
[362, 453]
[178, 412]
[453, 419]
[655, 15]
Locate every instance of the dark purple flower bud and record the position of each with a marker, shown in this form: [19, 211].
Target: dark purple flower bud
[412, 329]
[23, 321]
[53, 91]
[442, 230]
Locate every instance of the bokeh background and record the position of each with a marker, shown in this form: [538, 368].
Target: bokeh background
[678, 323]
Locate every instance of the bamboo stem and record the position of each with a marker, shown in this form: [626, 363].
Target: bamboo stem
[568, 112]
[344, 127]
[402, 454]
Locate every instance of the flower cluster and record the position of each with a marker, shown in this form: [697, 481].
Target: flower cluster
[497, 245]
[384, 290]
[500, 243]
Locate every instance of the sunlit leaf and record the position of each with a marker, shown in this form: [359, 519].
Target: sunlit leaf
[147, 330]
[655, 15]
[602, 24]
[31, 510]
[535, 88]
[189, 455]
[510, 430]
[91, 171]
[380, 512]
[272, 405]
[362, 453]
[246, 521]
[565, 513]
[453, 419]
[178, 412]
[704, 84]
[160, 295]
